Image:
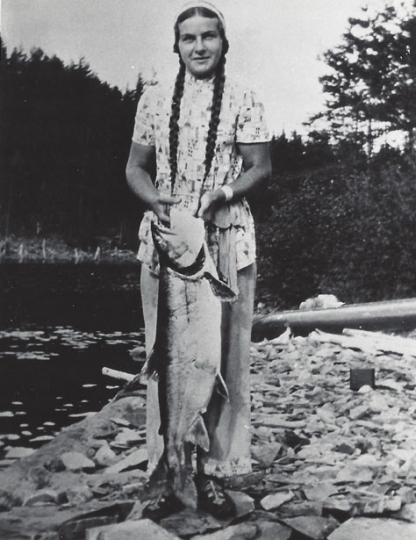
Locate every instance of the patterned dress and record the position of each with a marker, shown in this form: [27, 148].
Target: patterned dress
[231, 243]
[242, 120]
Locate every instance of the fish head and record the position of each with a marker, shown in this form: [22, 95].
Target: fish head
[181, 243]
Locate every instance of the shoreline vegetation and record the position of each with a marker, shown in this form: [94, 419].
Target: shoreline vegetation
[52, 249]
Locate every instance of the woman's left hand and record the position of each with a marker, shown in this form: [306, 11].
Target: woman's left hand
[210, 201]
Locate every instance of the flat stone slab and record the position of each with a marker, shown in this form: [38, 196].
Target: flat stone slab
[130, 530]
[374, 529]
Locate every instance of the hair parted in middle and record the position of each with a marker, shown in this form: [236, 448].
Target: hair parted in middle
[218, 91]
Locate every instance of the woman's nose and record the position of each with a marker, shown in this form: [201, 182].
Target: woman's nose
[199, 45]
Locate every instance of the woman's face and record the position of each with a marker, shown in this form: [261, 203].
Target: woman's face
[200, 45]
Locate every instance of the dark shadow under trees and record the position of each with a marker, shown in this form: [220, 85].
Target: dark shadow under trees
[66, 137]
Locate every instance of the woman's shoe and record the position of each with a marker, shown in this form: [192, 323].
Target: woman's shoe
[162, 506]
[213, 499]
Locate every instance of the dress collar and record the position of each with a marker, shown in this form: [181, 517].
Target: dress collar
[193, 82]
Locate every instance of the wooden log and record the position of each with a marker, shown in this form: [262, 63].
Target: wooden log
[115, 374]
[388, 315]
[370, 342]
[385, 342]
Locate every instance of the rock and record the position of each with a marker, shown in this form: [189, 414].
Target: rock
[374, 529]
[244, 481]
[270, 502]
[301, 508]
[278, 421]
[265, 454]
[320, 492]
[130, 530]
[314, 527]
[365, 389]
[367, 460]
[4, 463]
[75, 461]
[243, 503]
[79, 495]
[121, 422]
[189, 523]
[338, 504]
[351, 473]
[134, 459]
[76, 527]
[375, 505]
[242, 531]
[54, 464]
[407, 513]
[138, 353]
[128, 437]
[41, 498]
[274, 531]
[136, 511]
[358, 412]
[8, 500]
[18, 452]
[105, 456]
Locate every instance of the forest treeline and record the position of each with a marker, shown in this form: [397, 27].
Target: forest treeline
[65, 141]
[339, 214]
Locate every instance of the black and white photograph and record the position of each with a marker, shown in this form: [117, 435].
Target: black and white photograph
[207, 270]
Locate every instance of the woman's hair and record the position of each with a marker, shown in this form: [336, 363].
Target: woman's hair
[178, 93]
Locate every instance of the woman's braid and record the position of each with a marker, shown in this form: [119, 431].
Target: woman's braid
[215, 117]
[174, 124]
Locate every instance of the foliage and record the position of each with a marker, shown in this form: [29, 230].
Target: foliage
[347, 229]
[64, 148]
[371, 84]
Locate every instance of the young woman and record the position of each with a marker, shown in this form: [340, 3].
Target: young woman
[210, 142]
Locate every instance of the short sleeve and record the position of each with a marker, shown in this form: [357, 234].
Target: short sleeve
[144, 124]
[251, 121]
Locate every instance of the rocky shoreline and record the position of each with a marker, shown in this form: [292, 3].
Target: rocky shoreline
[328, 462]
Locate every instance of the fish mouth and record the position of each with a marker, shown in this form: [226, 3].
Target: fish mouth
[188, 271]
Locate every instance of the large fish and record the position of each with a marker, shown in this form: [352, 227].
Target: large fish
[186, 357]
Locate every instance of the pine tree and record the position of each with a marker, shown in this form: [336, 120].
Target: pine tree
[371, 82]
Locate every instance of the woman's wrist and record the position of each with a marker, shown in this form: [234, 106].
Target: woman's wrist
[227, 192]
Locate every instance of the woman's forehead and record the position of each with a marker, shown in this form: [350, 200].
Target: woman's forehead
[198, 25]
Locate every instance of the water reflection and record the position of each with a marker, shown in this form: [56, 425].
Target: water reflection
[51, 377]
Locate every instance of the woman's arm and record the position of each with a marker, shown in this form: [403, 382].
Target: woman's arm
[138, 170]
[257, 171]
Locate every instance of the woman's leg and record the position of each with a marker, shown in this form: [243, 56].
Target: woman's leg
[149, 289]
[228, 422]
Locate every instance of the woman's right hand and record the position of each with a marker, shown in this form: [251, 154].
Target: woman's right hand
[161, 206]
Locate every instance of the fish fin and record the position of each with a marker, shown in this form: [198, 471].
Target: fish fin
[131, 388]
[149, 370]
[221, 387]
[220, 289]
[198, 434]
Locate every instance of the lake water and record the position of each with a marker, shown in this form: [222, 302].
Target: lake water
[59, 326]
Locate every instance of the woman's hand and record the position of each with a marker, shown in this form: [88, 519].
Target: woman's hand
[161, 206]
[210, 201]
